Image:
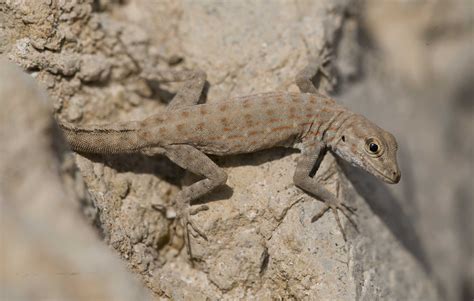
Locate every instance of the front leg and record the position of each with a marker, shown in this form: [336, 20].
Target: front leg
[315, 65]
[311, 157]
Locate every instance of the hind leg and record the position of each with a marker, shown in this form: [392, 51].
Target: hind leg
[198, 163]
[191, 90]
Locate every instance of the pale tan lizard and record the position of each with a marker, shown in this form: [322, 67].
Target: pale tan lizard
[187, 131]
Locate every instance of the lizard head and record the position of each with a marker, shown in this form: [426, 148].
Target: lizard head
[364, 144]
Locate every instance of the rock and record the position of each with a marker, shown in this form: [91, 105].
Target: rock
[262, 244]
[48, 251]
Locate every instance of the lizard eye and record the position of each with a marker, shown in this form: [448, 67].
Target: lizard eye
[373, 147]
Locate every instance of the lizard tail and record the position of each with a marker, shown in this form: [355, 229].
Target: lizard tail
[107, 139]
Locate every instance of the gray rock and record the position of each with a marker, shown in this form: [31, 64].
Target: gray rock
[414, 240]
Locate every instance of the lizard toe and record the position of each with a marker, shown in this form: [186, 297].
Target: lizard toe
[320, 213]
[194, 211]
[346, 210]
[197, 229]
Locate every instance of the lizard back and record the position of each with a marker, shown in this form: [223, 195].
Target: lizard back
[240, 125]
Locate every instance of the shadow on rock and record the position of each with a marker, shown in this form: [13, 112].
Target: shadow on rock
[159, 166]
[384, 204]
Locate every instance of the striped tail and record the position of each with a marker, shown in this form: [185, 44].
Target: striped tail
[107, 139]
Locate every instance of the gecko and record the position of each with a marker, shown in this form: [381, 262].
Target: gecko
[188, 131]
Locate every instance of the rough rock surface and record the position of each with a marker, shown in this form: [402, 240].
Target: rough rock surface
[89, 55]
[47, 249]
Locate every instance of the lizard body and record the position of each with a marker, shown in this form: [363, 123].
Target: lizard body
[187, 131]
[239, 125]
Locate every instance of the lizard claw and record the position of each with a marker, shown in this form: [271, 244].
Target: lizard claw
[194, 211]
[184, 217]
[325, 57]
[346, 210]
[196, 229]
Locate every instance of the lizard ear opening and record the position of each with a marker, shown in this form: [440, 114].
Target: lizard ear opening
[343, 138]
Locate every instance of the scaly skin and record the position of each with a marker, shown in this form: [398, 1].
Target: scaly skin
[240, 125]
[310, 122]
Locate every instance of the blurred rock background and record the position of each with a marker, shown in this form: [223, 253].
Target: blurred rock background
[408, 65]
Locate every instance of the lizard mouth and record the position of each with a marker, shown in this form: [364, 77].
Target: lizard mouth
[392, 180]
[392, 177]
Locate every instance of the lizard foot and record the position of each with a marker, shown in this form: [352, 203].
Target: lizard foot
[346, 210]
[325, 57]
[184, 217]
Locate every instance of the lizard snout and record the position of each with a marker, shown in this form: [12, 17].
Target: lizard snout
[393, 176]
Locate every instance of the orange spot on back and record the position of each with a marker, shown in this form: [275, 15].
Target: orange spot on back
[253, 133]
[281, 128]
[226, 129]
[184, 114]
[235, 137]
[223, 107]
[203, 110]
[180, 127]
[293, 113]
[146, 135]
[200, 126]
[274, 120]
